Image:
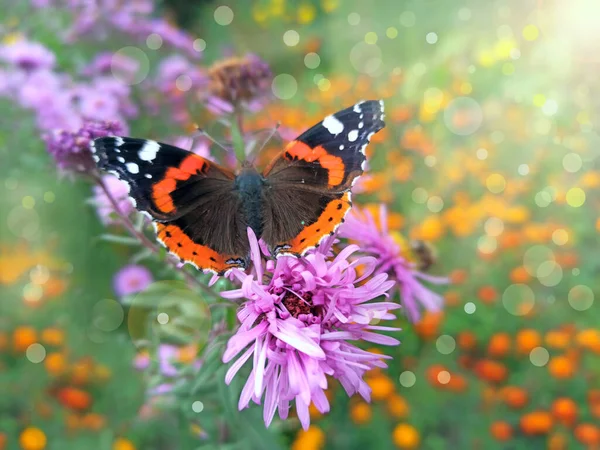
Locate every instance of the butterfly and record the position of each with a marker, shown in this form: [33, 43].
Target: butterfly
[201, 210]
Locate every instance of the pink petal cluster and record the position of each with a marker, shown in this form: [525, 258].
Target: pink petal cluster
[361, 228]
[299, 321]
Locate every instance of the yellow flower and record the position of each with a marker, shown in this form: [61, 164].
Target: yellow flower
[123, 444]
[32, 439]
[361, 413]
[311, 439]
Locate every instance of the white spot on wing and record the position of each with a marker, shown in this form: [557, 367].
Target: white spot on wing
[119, 141]
[333, 125]
[96, 158]
[120, 159]
[149, 151]
[357, 108]
[361, 124]
[342, 147]
[353, 135]
[147, 175]
[132, 167]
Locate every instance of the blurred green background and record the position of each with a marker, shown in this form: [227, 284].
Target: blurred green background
[490, 154]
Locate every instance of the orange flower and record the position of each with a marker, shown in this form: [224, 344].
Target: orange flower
[397, 406]
[381, 387]
[536, 423]
[406, 436]
[431, 229]
[81, 371]
[466, 340]
[501, 431]
[526, 340]
[123, 444]
[557, 339]
[487, 294]
[428, 327]
[564, 410]
[458, 276]
[3, 440]
[499, 345]
[93, 421]
[561, 367]
[593, 396]
[53, 336]
[489, 370]
[32, 439]
[23, 337]
[515, 397]
[520, 275]
[557, 441]
[452, 298]
[457, 383]
[433, 373]
[587, 434]
[74, 398]
[589, 339]
[311, 439]
[361, 413]
[55, 364]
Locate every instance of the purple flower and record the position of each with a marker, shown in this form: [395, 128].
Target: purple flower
[71, 150]
[360, 227]
[200, 146]
[131, 279]
[298, 319]
[28, 56]
[119, 191]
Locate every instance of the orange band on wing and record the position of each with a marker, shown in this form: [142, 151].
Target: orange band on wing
[331, 217]
[161, 191]
[179, 243]
[333, 164]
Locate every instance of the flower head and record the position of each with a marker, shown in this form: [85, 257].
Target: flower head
[298, 321]
[71, 150]
[28, 56]
[131, 279]
[360, 227]
[119, 191]
[238, 80]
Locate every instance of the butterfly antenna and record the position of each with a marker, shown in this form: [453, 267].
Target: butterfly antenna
[272, 133]
[211, 139]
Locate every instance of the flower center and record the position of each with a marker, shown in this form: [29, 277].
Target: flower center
[296, 305]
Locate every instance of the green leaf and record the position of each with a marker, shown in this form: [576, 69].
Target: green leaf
[123, 240]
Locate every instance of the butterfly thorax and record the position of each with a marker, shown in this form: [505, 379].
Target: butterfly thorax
[249, 185]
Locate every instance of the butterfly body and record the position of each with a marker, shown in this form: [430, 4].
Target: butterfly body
[201, 210]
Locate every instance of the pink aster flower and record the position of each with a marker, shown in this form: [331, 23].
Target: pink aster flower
[27, 55]
[299, 319]
[119, 191]
[361, 228]
[131, 279]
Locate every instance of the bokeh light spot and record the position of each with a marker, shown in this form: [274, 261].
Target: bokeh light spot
[481, 154]
[107, 315]
[470, 308]
[464, 14]
[35, 353]
[197, 406]
[536, 255]
[408, 19]
[32, 293]
[431, 38]
[560, 236]
[494, 226]
[49, 197]
[291, 38]
[199, 45]
[539, 356]
[324, 84]
[487, 244]
[391, 32]
[312, 60]
[581, 297]
[24, 223]
[463, 116]
[495, 183]
[549, 273]
[518, 299]
[28, 202]
[154, 41]
[443, 377]
[430, 160]
[284, 86]
[408, 378]
[445, 344]
[575, 197]
[523, 169]
[371, 37]
[531, 32]
[366, 58]
[223, 15]
[183, 82]
[419, 195]
[130, 65]
[550, 107]
[572, 162]
[353, 18]
[162, 318]
[435, 204]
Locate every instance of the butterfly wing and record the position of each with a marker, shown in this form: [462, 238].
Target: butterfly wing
[189, 198]
[309, 182]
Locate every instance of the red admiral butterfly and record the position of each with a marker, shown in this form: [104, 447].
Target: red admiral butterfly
[201, 210]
